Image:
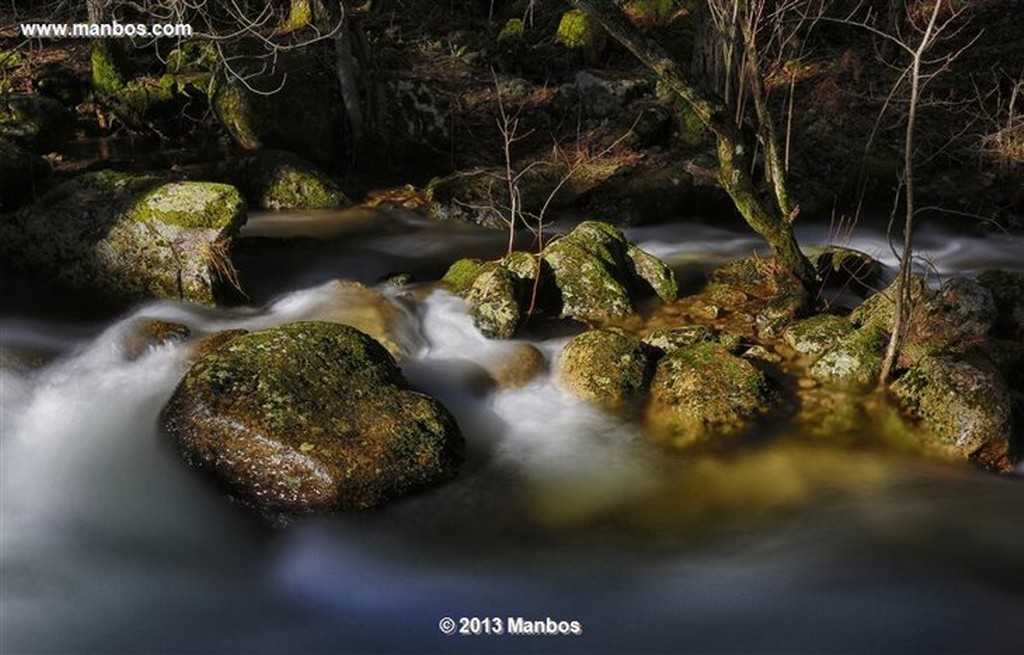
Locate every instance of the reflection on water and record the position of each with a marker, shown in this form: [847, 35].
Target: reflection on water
[109, 544]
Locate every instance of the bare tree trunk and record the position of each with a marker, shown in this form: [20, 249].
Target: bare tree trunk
[734, 155]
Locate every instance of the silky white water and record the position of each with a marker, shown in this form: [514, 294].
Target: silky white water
[109, 543]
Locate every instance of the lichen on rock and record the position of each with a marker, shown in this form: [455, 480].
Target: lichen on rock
[607, 368]
[815, 335]
[123, 238]
[703, 392]
[966, 409]
[310, 417]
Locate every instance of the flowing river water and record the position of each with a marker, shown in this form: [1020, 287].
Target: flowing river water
[111, 544]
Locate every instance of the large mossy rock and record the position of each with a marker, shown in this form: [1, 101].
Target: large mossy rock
[122, 238]
[310, 417]
[300, 116]
[36, 123]
[967, 409]
[599, 274]
[276, 179]
[702, 392]
[607, 368]
[21, 173]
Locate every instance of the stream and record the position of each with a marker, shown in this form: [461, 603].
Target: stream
[109, 543]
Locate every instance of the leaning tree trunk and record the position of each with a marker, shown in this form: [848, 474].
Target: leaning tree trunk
[734, 156]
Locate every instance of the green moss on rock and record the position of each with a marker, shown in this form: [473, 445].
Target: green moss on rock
[967, 410]
[654, 272]
[606, 368]
[703, 392]
[310, 417]
[494, 304]
[123, 238]
[275, 179]
[856, 358]
[461, 274]
[815, 335]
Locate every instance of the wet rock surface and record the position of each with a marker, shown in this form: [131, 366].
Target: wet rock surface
[310, 417]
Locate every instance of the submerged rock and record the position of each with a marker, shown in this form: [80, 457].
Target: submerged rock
[146, 334]
[702, 392]
[606, 368]
[310, 417]
[124, 238]
[967, 410]
[518, 367]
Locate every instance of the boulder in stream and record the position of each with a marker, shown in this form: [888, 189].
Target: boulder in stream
[607, 368]
[310, 417]
[702, 392]
[122, 238]
[966, 409]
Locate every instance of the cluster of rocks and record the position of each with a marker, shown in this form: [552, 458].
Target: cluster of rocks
[591, 275]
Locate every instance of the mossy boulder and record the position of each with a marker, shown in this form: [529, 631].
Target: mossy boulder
[310, 417]
[606, 368]
[815, 335]
[966, 409]
[276, 179]
[460, 276]
[599, 277]
[855, 359]
[143, 101]
[36, 123]
[123, 238]
[879, 309]
[703, 392]
[494, 304]
[21, 173]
